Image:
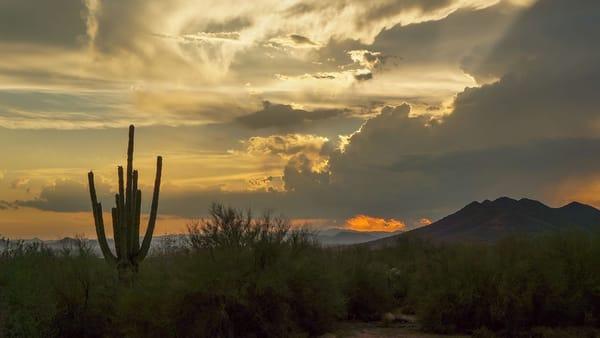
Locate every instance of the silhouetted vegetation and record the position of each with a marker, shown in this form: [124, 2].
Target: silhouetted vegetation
[257, 277]
[126, 218]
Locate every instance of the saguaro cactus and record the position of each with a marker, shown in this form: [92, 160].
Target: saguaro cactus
[126, 218]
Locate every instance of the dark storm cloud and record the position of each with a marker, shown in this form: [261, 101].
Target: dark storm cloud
[120, 23]
[549, 77]
[56, 22]
[65, 196]
[387, 9]
[375, 11]
[72, 196]
[363, 76]
[4, 205]
[321, 76]
[410, 186]
[398, 166]
[536, 126]
[462, 35]
[301, 40]
[282, 116]
[552, 32]
[131, 27]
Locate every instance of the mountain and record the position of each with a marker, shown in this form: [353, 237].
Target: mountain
[335, 236]
[489, 221]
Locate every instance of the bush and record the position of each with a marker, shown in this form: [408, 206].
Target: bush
[277, 282]
[511, 286]
[266, 269]
[368, 289]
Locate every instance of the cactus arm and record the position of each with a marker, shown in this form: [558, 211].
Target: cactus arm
[122, 213]
[153, 210]
[131, 217]
[129, 193]
[116, 232]
[108, 255]
[138, 209]
[98, 221]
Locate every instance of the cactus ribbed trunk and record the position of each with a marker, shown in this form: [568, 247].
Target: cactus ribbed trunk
[126, 218]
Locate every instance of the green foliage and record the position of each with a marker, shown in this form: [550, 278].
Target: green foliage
[511, 286]
[367, 286]
[281, 283]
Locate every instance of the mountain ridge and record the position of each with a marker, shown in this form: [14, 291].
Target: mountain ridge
[489, 221]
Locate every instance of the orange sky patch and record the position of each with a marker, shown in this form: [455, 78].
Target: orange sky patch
[368, 223]
[581, 189]
[26, 223]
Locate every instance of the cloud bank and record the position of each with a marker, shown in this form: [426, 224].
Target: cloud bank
[361, 112]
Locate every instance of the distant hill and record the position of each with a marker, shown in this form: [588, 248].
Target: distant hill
[335, 236]
[327, 237]
[489, 221]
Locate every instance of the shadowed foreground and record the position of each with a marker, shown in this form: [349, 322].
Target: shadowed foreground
[261, 279]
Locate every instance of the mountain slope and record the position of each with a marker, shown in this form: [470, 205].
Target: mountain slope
[489, 221]
[345, 236]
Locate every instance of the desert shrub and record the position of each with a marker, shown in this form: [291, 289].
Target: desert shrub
[278, 276]
[206, 315]
[81, 301]
[28, 306]
[296, 291]
[314, 291]
[367, 288]
[511, 286]
[278, 282]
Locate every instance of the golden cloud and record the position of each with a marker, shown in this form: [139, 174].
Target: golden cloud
[368, 223]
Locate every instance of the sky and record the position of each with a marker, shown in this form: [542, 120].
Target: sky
[369, 115]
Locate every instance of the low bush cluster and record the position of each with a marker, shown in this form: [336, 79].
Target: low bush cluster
[256, 277]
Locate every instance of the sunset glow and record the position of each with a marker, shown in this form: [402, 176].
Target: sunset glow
[368, 223]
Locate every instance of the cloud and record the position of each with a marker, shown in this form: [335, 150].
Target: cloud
[368, 59]
[130, 29]
[527, 131]
[292, 41]
[66, 196]
[303, 174]
[20, 182]
[550, 32]
[426, 48]
[233, 24]
[30, 21]
[285, 145]
[368, 223]
[73, 196]
[363, 76]
[285, 117]
[301, 40]
[302, 156]
[447, 41]
[4, 205]
[534, 128]
[119, 49]
[364, 20]
[204, 37]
